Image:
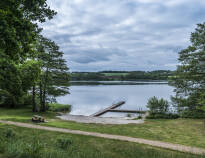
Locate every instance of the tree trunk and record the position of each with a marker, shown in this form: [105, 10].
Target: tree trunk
[42, 108]
[44, 91]
[44, 101]
[34, 109]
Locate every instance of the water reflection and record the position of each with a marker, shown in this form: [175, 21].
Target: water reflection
[88, 99]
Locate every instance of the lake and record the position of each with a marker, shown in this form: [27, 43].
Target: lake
[88, 99]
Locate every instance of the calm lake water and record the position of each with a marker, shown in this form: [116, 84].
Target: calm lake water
[88, 99]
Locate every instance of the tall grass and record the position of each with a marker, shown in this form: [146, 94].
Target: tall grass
[56, 107]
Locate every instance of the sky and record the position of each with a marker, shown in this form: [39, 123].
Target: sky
[146, 35]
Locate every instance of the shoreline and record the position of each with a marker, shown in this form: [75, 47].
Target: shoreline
[138, 82]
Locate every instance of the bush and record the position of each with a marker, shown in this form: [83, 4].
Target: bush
[139, 117]
[162, 116]
[64, 143]
[197, 114]
[55, 107]
[9, 133]
[156, 105]
[129, 115]
[27, 100]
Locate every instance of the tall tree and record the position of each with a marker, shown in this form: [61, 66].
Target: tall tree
[54, 80]
[18, 30]
[19, 27]
[189, 78]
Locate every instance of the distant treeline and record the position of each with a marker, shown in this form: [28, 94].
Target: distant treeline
[121, 75]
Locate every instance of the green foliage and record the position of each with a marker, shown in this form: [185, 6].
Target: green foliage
[139, 117]
[55, 107]
[16, 81]
[159, 108]
[30, 73]
[18, 26]
[27, 100]
[158, 105]
[9, 133]
[10, 83]
[162, 116]
[64, 143]
[197, 114]
[18, 33]
[26, 58]
[54, 79]
[129, 115]
[189, 77]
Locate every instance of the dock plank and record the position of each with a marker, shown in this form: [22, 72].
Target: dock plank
[128, 111]
[107, 109]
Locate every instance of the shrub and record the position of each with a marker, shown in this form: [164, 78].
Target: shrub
[139, 117]
[9, 133]
[64, 143]
[55, 107]
[197, 114]
[158, 105]
[129, 115]
[162, 116]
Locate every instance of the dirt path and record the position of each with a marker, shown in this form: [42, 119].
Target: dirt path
[160, 144]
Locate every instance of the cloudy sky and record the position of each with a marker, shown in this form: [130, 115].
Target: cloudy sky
[100, 35]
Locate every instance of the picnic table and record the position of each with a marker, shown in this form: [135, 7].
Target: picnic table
[38, 119]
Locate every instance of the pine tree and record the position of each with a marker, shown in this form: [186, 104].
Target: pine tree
[54, 79]
[189, 78]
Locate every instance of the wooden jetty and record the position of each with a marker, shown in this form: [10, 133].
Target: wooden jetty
[128, 111]
[107, 109]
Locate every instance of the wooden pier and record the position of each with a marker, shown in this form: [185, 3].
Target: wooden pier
[107, 109]
[128, 111]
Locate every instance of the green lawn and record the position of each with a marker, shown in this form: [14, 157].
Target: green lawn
[188, 132]
[81, 146]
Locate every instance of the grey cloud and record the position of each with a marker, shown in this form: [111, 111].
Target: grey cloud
[123, 35]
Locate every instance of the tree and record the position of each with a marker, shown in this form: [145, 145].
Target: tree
[189, 78]
[30, 72]
[18, 31]
[18, 26]
[10, 83]
[158, 105]
[54, 79]
[19, 79]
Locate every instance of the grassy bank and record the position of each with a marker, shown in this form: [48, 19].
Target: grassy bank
[44, 144]
[56, 107]
[188, 132]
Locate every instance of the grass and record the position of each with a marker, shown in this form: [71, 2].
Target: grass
[80, 146]
[188, 132]
[56, 107]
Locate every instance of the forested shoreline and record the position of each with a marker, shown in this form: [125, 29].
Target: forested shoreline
[121, 75]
